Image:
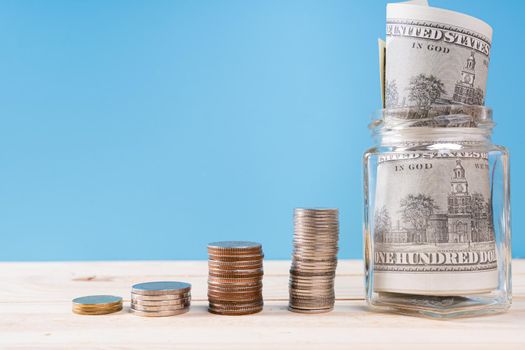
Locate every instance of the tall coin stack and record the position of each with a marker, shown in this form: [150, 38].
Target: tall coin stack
[158, 299]
[235, 277]
[314, 260]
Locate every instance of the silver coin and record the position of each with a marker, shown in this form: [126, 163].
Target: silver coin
[234, 245]
[307, 299]
[320, 264]
[328, 228]
[323, 284]
[316, 219]
[159, 313]
[253, 264]
[300, 242]
[316, 210]
[313, 269]
[330, 242]
[159, 308]
[311, 290]
[315, 246]
[318, 247]
[313, 239]
[176, 302]
[161, 287]
[309, 311]
[161, 297]
[311, 293]
[309, 282]
[320, 285]
[233, 258]
[314, 254]
[311, 304]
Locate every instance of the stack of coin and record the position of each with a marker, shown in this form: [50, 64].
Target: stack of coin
[235, 278]
[314, 260]
[158, 299]
[97, 305]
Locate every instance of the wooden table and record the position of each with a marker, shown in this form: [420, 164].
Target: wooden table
[35, 311]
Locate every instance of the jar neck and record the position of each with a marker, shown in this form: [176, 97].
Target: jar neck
[459, 124]
[424, 135]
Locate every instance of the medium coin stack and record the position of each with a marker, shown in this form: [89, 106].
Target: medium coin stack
[235, 277]
[97, 305]
[158, 299]
[316, 233]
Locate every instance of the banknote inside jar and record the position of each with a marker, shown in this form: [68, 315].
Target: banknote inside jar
[433, 228]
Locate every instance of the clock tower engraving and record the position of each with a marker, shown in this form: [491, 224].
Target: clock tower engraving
[465, 92]
[459, 207]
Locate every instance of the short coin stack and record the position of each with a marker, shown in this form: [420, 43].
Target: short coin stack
[97, 305]
[314, 260]
[235, 277]
[158, 299]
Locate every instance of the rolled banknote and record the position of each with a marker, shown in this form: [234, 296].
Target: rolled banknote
[432, 228]
[434, 57]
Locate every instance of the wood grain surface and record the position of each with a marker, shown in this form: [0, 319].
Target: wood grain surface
[35, 312]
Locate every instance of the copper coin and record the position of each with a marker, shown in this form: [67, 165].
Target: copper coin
[232, 275]
[235, 267]
[235, 312]
[100, 311]
[234, 280]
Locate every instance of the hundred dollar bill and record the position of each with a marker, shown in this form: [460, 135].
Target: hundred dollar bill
[434, 57]
[433, 231]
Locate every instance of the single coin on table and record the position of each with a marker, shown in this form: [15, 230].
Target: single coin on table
[97, 304]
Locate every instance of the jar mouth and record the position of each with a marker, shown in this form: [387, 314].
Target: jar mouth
[438, 116]
[454, 123]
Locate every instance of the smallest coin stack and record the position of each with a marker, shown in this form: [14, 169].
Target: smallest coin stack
[159, 299]
[235, 277]
[97, 305]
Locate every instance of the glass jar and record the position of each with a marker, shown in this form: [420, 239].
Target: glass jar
[437, 214]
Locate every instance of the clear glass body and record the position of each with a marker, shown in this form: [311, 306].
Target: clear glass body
[437, 214]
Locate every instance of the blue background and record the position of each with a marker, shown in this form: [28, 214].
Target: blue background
[145, 129]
